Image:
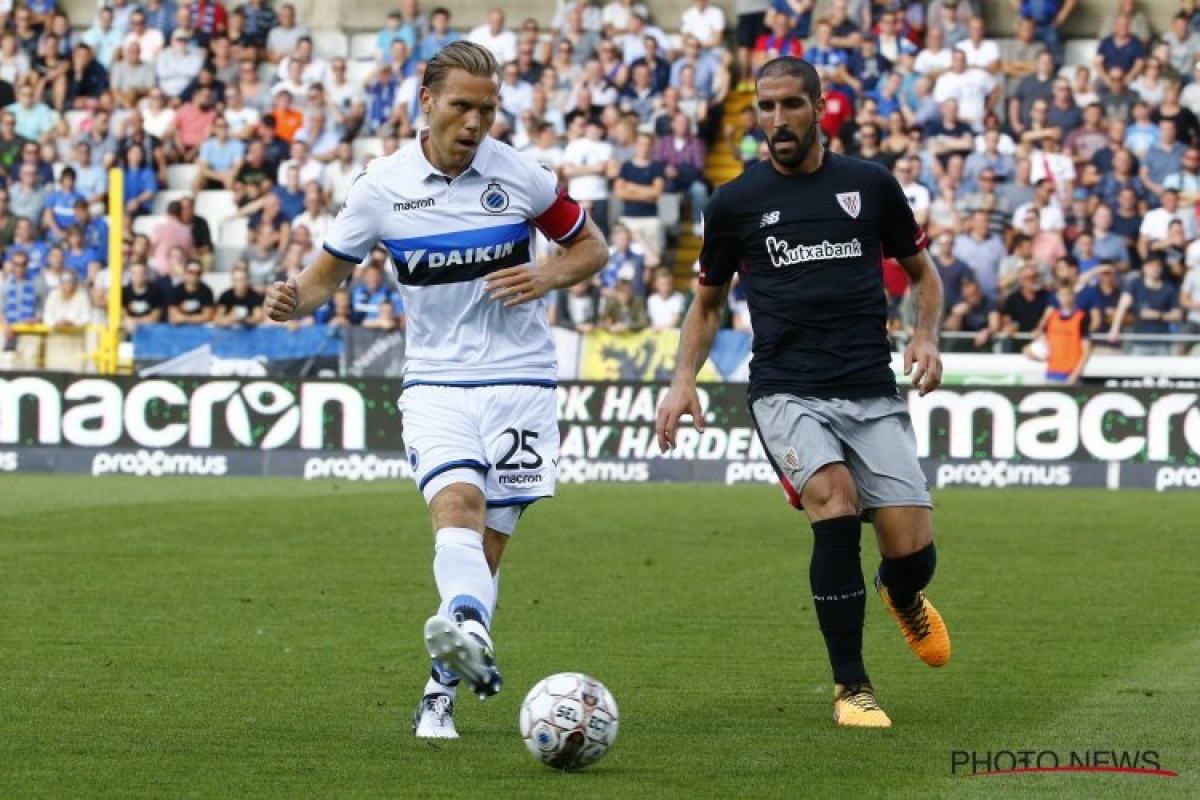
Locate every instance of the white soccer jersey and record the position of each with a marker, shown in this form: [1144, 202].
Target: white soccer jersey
[445, 237]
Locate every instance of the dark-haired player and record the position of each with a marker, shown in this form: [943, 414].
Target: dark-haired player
[807, 229]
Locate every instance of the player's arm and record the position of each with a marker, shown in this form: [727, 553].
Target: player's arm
[354, 230]
[719, 259]
[922, 351]
[563, 221]
[308, 291]
[696, 339]
[905, 240]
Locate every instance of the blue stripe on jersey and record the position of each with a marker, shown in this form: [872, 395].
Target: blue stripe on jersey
[459, 256]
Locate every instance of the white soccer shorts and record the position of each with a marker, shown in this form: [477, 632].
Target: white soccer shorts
[502, 439]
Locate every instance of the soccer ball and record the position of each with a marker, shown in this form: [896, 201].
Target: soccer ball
[569, 720]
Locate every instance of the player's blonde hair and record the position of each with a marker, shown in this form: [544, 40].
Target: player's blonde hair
[472, 58]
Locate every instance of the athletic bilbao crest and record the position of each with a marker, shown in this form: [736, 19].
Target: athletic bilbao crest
[850, 202]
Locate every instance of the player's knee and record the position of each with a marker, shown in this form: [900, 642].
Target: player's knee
[459, 506]
[830, 493]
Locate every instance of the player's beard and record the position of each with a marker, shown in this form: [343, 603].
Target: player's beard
[803, 146]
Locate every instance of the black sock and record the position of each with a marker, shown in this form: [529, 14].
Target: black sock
[839, 595]
[907, 575]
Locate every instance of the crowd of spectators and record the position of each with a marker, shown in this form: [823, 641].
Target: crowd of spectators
[1028, 171]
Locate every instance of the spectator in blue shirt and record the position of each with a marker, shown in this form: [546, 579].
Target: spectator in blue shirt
[800, 12]
[95, 229]
[20, 297]
[438, 36]
[59, 212]
[218, 160]
[141, 183]
[394, 30]
[25, 241]
[371, 293]
[78, 256]
[1121, 50]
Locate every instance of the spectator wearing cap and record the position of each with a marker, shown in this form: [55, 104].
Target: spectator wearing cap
[178, 65]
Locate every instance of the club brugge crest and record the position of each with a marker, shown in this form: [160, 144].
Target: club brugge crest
[494, 199]
[850, 202]
[413, 457]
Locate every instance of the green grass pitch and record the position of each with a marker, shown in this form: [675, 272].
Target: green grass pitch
[261, 638]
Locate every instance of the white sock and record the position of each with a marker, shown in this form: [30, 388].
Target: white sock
[435, 687]
[464, 580]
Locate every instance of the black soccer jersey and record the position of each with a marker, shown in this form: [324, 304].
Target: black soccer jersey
[809, 250]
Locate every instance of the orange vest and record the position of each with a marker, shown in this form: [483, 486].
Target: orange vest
[287, 123]
[1064, 338]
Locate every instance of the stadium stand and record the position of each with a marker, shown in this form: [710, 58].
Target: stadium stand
[1037, 176]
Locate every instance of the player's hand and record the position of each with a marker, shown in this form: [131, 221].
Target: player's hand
[517, 285]
[677, 402]
[283, 297]
[922, 353]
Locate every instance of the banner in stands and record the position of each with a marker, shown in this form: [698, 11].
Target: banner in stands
[373, 353]
[312, 351]
[350, 429]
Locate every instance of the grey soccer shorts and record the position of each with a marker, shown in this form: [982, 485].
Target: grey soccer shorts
[873, 436]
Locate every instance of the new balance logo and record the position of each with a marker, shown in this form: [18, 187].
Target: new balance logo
[782, 254]
[770, 218]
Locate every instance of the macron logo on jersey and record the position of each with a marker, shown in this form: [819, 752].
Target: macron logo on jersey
[784, 255]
